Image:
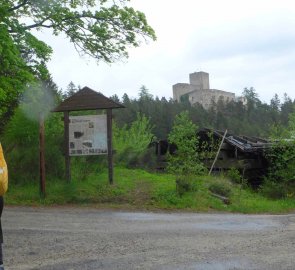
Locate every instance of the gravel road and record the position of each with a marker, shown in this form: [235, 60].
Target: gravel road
[87, 238]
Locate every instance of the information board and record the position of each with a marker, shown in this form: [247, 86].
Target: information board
[88, 135]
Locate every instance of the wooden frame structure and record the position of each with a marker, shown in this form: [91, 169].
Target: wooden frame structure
[88, 99]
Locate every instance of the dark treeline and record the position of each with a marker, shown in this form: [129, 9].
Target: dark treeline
[20, 135]
[255, 119]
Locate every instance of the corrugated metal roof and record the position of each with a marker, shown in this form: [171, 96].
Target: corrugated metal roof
[87, 99]
[244, 143]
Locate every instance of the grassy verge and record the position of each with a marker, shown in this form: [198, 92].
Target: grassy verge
[138, 189]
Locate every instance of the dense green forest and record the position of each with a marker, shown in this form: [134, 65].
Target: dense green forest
[144, 120]
[146, 117]
[256, 119]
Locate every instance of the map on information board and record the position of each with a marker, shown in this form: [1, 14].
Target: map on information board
[88, 135]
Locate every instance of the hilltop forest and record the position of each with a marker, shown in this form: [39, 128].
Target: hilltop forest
[255, 119]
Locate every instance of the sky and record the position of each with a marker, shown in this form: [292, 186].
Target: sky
[239, 43]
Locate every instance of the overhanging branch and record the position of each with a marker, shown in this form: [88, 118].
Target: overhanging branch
[18, 6]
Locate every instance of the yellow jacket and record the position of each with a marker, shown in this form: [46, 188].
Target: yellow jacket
[3, 173]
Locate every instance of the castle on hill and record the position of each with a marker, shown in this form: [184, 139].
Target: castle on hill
[198, 91]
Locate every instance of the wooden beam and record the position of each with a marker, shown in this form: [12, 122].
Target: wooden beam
[67, 149]
[110, 145]
[217, 154]
[42, 155]
[224, 199]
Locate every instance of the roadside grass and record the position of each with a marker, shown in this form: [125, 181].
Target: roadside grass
[142, 190]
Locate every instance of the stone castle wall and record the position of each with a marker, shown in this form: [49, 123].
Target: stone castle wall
[181, 89]
[207, 96]
[198, 91]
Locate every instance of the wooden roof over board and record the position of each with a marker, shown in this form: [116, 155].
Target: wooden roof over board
[87, 99]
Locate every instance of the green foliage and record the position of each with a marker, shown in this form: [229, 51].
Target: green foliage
[22, 143]
[282, 161]
[98, 28]
[234, 116]
[83, 167]
[131, 143]
[144, 94]
[221, 187]
[186, 160]
[273, 190]
[208, 148]
[234, 175]
[137, 136]
[280, 181]
[281, 176]
[21, 136]
[138, 189]
[71, 90]
[14, 74]
[185, 184]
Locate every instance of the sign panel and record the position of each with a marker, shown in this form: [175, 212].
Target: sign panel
[88, 135]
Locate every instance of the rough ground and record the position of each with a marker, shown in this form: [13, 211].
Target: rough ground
[87, 238]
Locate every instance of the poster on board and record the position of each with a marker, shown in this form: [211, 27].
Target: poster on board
[88, 135]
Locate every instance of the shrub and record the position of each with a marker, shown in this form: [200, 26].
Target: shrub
[185, 184]
[234, 175]
[131, 143]
[186, 160]
[273, 190]
[22, 141]
[221, 188]
[83, 166]
[134, 159]
[281, 163]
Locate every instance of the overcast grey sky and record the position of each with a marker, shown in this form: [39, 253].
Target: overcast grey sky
[239, 43]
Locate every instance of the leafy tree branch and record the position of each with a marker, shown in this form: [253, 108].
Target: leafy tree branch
[102, 29]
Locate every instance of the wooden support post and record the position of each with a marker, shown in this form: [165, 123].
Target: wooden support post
[217, 154]
[110, 144]
[42, 155]
[66, 142]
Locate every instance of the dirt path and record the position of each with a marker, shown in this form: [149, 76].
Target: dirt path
[87, 238]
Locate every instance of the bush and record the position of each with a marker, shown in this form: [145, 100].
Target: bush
[281, 163]
[21, 139]
[234, 175]
[185, 161]
[137, 137]
[131, 143]
[185, 184]
[273, 190]
[83, 166]
[221, 188]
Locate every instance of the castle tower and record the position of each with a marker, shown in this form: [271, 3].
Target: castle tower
[200, 80]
